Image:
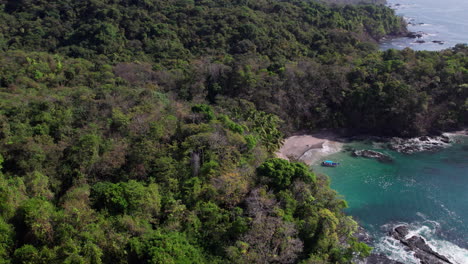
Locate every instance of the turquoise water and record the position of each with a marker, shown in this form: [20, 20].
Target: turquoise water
[427, 190]
[445, 21]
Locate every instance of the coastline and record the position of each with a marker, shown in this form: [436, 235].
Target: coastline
[310, 148]
[430, 26]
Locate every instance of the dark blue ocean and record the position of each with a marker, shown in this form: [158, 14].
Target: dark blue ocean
[439, 20]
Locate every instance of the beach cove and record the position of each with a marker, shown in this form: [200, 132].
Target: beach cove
[425, 190]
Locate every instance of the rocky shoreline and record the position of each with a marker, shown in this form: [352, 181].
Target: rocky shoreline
[311, 148]
[419, 37]
[419, 144]
[418, 245]
[406, 145]
[374, 258]
[414, 244]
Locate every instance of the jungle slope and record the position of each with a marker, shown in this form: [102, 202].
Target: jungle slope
[94, 169]
[312, 64]
[144, 131]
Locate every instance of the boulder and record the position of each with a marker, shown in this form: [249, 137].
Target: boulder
[400, 232]
[444, 139]
[418, 245]
[372, 155]
[424, 143]
[418, 34]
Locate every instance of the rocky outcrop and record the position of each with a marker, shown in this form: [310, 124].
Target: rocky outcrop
[400, 232]
[372, 155]
[409, 145]
[375, 258]
[418, 245]
[424, 143]
[418, 34]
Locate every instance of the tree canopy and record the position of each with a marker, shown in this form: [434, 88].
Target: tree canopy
[144, 131]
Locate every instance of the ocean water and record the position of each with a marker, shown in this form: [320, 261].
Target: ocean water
[426, 190]
[439, 20]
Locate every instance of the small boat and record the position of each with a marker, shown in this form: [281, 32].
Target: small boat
[329, 163]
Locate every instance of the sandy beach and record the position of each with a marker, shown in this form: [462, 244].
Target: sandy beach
[309, 148]
[463, 132]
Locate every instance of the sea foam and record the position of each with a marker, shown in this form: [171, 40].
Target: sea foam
[427, 229]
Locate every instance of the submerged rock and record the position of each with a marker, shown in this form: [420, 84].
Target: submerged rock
[372, 155]
[418, 245]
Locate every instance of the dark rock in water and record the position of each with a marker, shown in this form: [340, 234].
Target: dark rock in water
[372, 155]
[438, 42]
[420, 41]
[400, 232]
[425, 143]
[444, 139]
[418, 245]
[418, 34]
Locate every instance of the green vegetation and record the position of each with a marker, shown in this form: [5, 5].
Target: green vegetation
[144, 131]
[99, 170]
[311, 64]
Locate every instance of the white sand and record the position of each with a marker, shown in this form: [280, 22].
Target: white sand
[309, 148]
[463, 132]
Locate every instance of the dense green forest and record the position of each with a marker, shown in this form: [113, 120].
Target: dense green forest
[100, 170]
[143, 131]
[311, 64]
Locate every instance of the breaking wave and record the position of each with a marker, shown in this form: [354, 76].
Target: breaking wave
[316, 154]
[395, 250]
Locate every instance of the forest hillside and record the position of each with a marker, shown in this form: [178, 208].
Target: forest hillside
[143, 131]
